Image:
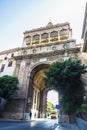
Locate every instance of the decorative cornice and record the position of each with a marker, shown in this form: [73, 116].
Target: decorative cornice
[49, 44]
[47, 54]
[47, 27]
[36, 46]
[10, 51]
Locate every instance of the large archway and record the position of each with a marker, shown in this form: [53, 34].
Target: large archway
[37, 91]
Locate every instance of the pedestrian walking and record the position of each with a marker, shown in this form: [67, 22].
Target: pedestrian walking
[30, 114]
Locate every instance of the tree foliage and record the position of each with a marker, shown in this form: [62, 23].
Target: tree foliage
[8, 86]
[50, 107]
[65, 77]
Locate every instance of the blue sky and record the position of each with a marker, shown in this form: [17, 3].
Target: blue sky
[17, 16]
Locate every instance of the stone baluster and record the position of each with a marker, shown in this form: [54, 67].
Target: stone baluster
[58, 35]
[40, 39]
[49, 37]
[31, 41]
[69, 34]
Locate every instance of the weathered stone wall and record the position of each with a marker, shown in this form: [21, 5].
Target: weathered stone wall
[27, 65]
[14, 109]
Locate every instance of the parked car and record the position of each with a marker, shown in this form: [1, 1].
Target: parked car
[53, 115]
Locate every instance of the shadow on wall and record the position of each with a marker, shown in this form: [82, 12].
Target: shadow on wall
[2, 105]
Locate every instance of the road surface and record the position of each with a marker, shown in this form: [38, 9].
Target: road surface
[39, 124]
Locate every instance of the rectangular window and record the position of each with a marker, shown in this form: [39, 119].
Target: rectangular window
[12, 54]
[2, 68]
[10, 64]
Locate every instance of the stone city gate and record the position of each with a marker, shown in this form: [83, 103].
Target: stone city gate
[32, 92]
[41, 47]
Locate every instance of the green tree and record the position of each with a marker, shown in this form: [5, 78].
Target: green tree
[50, 107]
[8, 86]
[65, 77]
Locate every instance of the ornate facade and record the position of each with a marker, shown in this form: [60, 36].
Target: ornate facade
[41, 47]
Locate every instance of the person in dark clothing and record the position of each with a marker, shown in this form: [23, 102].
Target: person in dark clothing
[30, 114]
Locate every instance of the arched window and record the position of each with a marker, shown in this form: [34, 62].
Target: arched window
[44, 36]
[36, 37]
[28, 38]
[64, 32]
[54, 34]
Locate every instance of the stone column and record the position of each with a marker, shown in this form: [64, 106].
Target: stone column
[40, 39]
[49, 37]
[58, 35]
[31, 41]
[30, 92]
[17, 67]
[41, 104]
[44, 103]
[69, 34]
[33, 99]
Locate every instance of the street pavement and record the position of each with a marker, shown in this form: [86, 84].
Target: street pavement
[67, 126]
[40, 124]
[79, 125]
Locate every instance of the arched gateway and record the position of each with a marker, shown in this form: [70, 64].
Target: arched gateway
[37, 91]
[41, 48]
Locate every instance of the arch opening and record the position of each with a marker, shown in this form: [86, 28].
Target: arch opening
[37, 92]
[52, 101]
